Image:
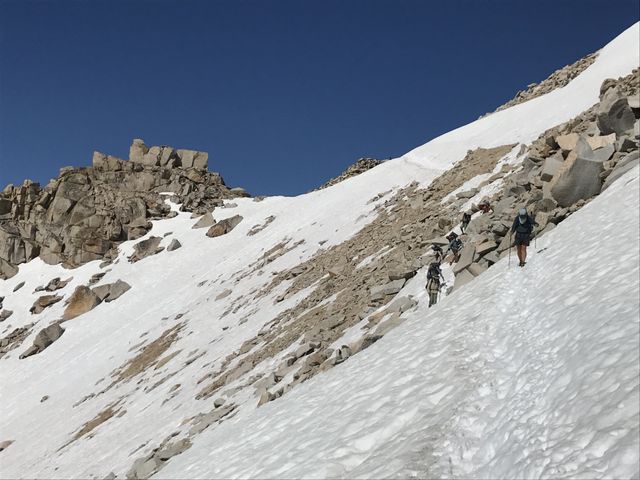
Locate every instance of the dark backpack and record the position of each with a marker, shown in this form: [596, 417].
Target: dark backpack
[466, 218]
[434, 272]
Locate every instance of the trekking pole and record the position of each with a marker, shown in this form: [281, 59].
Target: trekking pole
[509, 263]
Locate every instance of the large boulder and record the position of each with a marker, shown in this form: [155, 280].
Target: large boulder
[567, 142]
[82, 300]
[47, 336]
[7, 270]
[43, 302]
[466, 258]
[138, 150]
[551, 166]
[390, 288]
[627, 162]
[579, 177]
[205, 220]
[614, 115]
[111, 291]
[44, 338]
[462, 278]
[193, 159]
[224, 226]
[146, 248]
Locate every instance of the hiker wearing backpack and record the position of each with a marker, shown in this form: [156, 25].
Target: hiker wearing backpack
[435, 280]
[455, 245]
[466, 218]
[523, 226]
[437, 252]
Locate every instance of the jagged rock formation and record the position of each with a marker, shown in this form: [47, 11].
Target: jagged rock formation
[361, 166]
[83, 214]
[557, 79]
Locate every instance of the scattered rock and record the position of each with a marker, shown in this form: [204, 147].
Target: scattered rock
[43, 302]
[44, 338]
[390, 288]
[5, 444]
[111, 291]
[4, 314]
[146, 248]
[174, 245]
[18, 286]
[224, 226]
[205, 221]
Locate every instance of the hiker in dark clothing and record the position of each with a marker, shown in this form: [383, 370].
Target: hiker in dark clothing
[435, 280]
[523, 226]
[437, 252]
[455, 245]
[466, 218]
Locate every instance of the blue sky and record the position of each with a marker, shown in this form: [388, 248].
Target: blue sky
[282, 94]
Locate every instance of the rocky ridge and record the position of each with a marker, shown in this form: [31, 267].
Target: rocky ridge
[557, 79]
[86, 212]
[361, 166]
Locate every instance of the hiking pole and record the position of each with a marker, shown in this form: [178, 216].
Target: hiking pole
[509, 263]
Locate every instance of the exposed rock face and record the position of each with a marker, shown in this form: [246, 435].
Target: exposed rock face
[361, 166]
[83, 214]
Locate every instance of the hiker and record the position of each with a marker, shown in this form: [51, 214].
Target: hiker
[437, 252]
[523, 227]
[434, 283]
[455, 245]
[484, 207]
[466, 218]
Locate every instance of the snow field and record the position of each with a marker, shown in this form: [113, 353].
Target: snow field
[472, 417]
[524, 373]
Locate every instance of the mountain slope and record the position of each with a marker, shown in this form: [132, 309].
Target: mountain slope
[524, 374]
[146, 371]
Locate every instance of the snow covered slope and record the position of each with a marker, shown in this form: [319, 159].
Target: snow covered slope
[525, 374]
[71, 412]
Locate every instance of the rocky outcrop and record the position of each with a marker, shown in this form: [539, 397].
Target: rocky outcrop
[361, 166]
[557, 79]
[86, 212]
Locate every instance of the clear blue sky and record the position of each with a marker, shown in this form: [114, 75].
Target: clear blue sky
[282, 94]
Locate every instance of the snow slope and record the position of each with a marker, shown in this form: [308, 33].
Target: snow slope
[188, 280]
[524, 374]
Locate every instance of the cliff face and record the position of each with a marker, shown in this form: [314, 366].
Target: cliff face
[84, 213]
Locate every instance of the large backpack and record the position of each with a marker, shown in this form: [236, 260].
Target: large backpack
[434, 272]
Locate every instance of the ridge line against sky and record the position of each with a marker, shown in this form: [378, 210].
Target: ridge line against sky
[282, 94]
